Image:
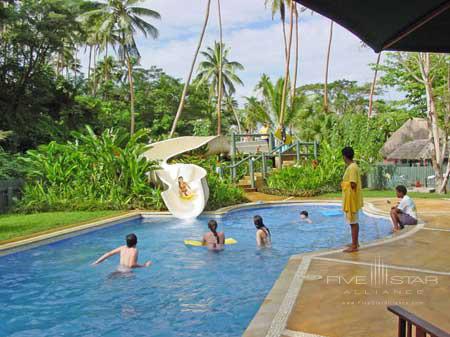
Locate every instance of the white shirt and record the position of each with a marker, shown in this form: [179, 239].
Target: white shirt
[408, 206]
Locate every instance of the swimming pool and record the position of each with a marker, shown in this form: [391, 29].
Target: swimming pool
[52, 290]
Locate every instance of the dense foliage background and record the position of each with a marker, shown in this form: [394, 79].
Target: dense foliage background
[67, 129]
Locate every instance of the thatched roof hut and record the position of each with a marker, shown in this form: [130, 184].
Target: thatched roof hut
[413, 130]
[421, 149]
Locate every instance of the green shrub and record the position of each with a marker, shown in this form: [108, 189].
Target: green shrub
[307, 180]
[9, 166]
[93, 172]
[222, 193]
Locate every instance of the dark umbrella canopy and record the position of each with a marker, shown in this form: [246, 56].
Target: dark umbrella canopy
[404, 25]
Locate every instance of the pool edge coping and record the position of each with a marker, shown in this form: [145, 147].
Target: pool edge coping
[71, 230]
[277, 326]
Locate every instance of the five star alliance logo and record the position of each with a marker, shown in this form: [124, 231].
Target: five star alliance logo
[379, 273]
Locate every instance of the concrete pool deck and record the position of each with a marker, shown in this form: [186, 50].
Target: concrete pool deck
[335, 294]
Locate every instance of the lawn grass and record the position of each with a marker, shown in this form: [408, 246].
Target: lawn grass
[22, 225]
[389, 194]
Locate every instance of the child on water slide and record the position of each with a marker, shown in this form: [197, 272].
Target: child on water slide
[185, 189]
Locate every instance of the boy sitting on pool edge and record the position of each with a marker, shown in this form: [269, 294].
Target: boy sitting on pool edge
[405, 213]
[128, 254]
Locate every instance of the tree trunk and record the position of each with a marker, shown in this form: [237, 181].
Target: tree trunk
[327, 64]
[130, 81]
[89, 66]
[283, 23]
[436, 158]
[443, 187]
[288, 61]
[220, 84]
[237, 119]
[188, 80]
[94, 82]
[372, 88]
[75, 65]
[294, 84]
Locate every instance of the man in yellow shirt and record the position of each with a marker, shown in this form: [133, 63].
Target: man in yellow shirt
[352, 196]
[265, 131]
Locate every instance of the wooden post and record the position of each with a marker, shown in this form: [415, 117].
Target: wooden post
[252, 172]
[401, 327]
[270, 142]
[297, 150]
[263, 166]
[233, 157]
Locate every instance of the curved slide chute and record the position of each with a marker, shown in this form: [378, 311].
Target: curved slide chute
[195, 176]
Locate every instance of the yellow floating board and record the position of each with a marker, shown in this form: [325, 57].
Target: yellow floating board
[288, 137]
[187, 197]
[229, 241]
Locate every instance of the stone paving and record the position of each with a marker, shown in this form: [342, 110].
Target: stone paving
[339, 294]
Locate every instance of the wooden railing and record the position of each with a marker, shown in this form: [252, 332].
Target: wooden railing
[407, 320]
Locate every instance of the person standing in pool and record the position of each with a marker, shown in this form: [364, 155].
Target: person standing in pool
[213, 239]
[263, 236]
[128, 254]
[304, 217]
[352, 196]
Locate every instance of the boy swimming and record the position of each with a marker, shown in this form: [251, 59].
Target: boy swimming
[128, 254]
[304, 216]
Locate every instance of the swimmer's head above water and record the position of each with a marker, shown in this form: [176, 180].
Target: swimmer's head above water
[259, 223]
[131, 240]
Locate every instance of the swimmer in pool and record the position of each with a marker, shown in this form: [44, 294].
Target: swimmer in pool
[304, 217]
[213, 239]
[128, 254]
[185, 189]
[263, 236]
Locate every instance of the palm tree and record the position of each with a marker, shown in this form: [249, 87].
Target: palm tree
[231, 105]
[288, 60]
[254, 113]
[275, 7]
[294, 82]
[272, 94]
[374, 83]
[106, 69]
[121, 19]
[220, 89]
[188, 80]
[327, 63]
[215, 68]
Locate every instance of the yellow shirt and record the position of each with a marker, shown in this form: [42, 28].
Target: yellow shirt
[352, 198]
[264, 130]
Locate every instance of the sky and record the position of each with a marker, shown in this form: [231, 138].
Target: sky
[256, 41]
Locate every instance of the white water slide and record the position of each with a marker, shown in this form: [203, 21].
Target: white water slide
[193, 175]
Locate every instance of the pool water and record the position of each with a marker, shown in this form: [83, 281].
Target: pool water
[52, 290]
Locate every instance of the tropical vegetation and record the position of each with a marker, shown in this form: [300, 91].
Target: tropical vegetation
[76, 136]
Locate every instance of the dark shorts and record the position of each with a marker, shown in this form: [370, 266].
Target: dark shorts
[407, 220]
